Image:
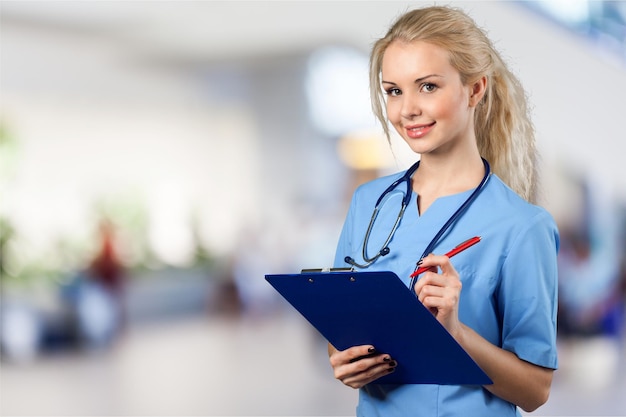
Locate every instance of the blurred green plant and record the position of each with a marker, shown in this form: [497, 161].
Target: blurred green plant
[8, 153]
[18, 269]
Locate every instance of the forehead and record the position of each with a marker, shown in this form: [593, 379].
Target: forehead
[416, 58]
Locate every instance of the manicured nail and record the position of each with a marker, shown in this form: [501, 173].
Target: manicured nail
[386, 358]
[393, 364]
[371, 350]
[390, 370]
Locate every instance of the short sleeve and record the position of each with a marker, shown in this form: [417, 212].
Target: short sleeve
[527, 295]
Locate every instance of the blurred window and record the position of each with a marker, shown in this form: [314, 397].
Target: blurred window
[337, 90]
[601, 22]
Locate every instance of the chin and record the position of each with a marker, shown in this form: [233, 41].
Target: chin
[419, 149]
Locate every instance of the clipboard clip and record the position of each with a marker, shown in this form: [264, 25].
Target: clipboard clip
[321, 270]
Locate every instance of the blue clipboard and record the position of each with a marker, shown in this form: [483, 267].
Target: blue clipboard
[358, 308]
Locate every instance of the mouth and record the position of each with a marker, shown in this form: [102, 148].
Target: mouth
[418, 131]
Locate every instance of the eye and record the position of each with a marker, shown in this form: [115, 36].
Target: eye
[428, 87]
[393, 91]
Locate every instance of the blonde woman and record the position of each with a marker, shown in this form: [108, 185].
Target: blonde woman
[439, 82]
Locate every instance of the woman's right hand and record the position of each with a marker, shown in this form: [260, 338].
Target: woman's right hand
[360, 365]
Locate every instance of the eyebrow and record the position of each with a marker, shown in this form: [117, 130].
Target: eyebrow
[417, 81]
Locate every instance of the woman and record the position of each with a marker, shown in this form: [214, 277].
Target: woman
[436, 78]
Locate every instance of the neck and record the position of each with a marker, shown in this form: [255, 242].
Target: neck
[440, 176]
[437, 177]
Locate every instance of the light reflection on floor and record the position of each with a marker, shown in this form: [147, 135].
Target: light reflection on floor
[229, 366]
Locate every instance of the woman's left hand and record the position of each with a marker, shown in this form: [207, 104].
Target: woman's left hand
[440, 292]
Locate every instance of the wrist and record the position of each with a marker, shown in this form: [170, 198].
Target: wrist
[460, 333]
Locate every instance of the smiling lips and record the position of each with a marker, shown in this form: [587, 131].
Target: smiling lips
[418, 131]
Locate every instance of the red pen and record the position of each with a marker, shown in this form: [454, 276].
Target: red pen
[458, 249]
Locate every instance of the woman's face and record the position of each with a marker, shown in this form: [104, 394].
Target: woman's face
[426, 101]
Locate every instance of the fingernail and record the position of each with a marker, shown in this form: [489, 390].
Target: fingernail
[387, 359]
[393, 364]
[371, 350]
[390, 370]
[420, 262]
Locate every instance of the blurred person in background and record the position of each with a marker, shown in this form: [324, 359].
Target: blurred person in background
[591, 288]
[591, 291]
[450, 96]
[98, 294]
[106, 268]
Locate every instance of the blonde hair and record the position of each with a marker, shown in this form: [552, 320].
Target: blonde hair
[504, 132]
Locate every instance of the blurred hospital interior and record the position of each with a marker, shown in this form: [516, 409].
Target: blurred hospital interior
[158, 158]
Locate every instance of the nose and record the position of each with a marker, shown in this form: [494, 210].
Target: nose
[410, 106]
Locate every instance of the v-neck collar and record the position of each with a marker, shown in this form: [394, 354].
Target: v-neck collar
[442, 208]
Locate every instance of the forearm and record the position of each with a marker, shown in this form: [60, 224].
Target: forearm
[515, 380]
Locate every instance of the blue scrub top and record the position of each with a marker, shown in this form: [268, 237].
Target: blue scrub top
[509, 293]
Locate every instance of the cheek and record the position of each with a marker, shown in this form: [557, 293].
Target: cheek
[449, 109]
[394, 111]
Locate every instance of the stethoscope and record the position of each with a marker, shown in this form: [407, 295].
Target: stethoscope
[384, 250]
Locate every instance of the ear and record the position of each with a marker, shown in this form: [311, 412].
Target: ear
[477, 91]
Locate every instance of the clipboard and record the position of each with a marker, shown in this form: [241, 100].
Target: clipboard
[358, 308]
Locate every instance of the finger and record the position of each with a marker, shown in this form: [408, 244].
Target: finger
[360, 381]
[366, 363]
[339, 358]
[371, 352]
[433, 260]
[352, 368]
[426, 279]
[431, 301]
[431, 290]
[360, 352]
[446, 266]
[369, 374]
[430, 262]
[438, 299]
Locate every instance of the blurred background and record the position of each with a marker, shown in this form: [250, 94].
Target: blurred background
[157, 158]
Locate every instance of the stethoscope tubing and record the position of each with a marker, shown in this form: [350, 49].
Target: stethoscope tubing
[384, 250]
[405, 202]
